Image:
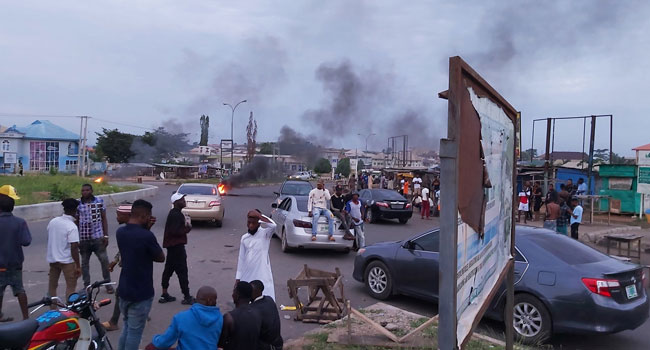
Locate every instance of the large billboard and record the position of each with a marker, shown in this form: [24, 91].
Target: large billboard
[478, 170]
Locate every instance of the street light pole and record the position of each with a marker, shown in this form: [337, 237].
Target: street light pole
[232, 140]
[367, 137]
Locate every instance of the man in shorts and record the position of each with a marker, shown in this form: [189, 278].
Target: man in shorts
[15, 235]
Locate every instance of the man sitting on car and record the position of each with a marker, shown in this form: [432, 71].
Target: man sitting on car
[317, 206]
[338, 209]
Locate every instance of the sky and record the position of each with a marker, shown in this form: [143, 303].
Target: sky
[330, 70]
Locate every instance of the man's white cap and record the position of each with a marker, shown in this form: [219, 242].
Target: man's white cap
[176, 196]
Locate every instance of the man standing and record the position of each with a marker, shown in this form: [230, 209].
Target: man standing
[576, 217]
[93, 234]
[338, 209]
[15, 235]
[352, 183]
[317, 207]
[139, 250]
[426, 206]
[570, 188]
[417, 185]
[176, 228]
[243, 325]
[254, 262]
[270, 335]
[63, 249]
[552, 211]
[357, 211]
[582, 187]
[196, 328]
[564, 218]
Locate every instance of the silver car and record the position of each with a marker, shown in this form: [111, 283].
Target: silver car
[294, 227]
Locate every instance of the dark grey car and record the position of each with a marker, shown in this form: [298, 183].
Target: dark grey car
[561, 285]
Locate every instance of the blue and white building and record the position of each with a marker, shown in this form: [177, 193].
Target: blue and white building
[39, 147]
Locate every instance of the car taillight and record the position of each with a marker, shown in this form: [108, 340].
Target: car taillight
[215, 203]
[300, 223]
[408, 205]
[600, 286]
[382, 204]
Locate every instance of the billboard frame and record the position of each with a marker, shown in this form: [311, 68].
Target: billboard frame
[461, 76]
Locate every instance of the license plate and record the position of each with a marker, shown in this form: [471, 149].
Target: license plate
[631, 291]
[397, 206]
[195, 205]
[323, 228]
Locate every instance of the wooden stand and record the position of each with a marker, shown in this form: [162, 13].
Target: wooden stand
[323, 308]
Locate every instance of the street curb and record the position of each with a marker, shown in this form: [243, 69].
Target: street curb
[43, 211]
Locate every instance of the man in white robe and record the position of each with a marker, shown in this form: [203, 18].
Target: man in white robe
[254, 262]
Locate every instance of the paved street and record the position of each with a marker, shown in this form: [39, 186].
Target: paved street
[212, 257]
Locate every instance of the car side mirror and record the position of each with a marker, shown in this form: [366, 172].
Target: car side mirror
[276, 193]
[408, 245]
[173, 192]
[274, 205]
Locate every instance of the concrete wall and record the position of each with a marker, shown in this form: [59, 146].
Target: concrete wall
[44, 211]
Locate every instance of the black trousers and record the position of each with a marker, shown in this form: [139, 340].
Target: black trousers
[176, 262]
[574, 230]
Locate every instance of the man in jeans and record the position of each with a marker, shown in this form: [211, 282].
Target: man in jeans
[139, 250]
[317, 206]
[14, 236]
[337, 207]
[63, 249]
[357, 211]
[93, 234]
[176, 228]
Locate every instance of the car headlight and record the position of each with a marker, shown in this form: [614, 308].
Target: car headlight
[361, 251]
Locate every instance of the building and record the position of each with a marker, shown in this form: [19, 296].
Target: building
[39, 147]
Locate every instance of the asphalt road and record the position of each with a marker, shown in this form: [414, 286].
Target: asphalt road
[212, 258]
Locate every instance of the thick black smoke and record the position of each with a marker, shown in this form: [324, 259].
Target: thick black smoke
[258, 168]
[292, 143]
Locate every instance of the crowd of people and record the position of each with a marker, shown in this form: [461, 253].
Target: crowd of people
[562, 210]
[82, 230]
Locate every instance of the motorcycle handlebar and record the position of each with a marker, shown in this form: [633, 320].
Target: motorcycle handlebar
[99, 283]
[44, 301]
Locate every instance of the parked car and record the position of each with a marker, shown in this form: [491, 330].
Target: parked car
[293, 188]
[561, 285]
[203, 202]
[386, 204]
[301, 175]
[294, 227]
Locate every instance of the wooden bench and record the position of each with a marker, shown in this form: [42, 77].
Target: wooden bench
[628, 238]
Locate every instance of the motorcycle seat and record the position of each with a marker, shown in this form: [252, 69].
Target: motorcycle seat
[16, 335]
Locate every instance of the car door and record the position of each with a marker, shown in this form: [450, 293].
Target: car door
[417, 266]
[281, 214]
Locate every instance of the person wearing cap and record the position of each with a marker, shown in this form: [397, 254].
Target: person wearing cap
[93, 234]
[15, 235]
[63, 249]
[317, 207]
[254, 262]
[176, 229]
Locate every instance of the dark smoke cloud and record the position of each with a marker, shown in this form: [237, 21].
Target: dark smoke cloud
[258, 168]
[293, 143]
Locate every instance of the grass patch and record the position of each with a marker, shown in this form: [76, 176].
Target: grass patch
[43, 188]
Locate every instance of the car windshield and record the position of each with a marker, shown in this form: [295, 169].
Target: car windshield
[296, 189]
[566, 249]
[201, 190]
[302, 204]
[386, 195]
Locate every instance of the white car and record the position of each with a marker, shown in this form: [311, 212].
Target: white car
[302, 175]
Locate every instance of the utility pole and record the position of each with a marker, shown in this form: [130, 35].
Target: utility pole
[81, 153]
[232, 121]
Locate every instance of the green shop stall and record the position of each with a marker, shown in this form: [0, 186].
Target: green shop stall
[619, 182]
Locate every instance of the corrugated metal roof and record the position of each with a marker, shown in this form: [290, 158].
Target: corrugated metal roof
[46, 130]
[642, 148]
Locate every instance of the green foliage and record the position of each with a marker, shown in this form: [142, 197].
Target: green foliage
[266, 148]
[323, 166]
[525, 155]
[158, 145]
[41, 188]
[54, 170]
[343, 167]
[114, 145]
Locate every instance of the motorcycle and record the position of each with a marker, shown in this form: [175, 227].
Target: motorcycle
[68, 328]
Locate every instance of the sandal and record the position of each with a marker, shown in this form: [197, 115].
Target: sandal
[5, 319]
[166, 298]
[188, 301]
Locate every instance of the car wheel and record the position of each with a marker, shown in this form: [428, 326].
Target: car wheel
[218, 223]
[531, 320]
[403, 221]
[379, 283]
[284, 243]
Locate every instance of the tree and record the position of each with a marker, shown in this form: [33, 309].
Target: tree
[251, 135]
[205, 124]
[158, 146]
[343, 167]
[114, 145]
[526, 155]
[360, 165]
[266, 148]
[323, 166]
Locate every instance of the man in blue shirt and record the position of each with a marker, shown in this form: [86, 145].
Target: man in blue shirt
[576, 217]
[196, 328]
[15, 235]
[139, 250]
